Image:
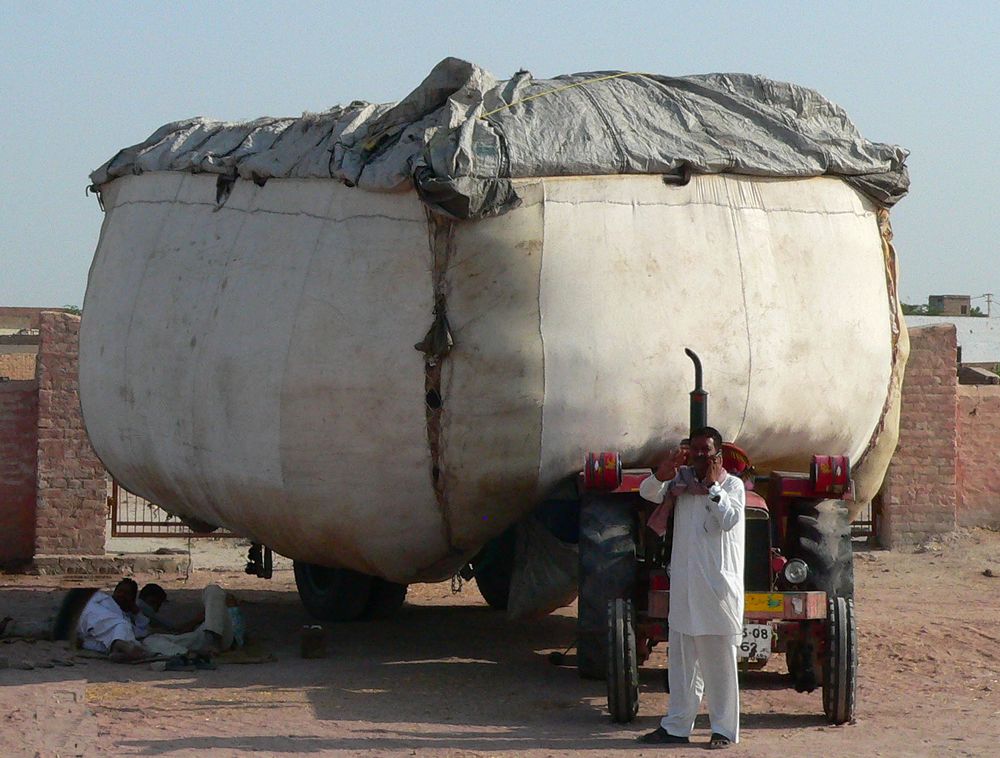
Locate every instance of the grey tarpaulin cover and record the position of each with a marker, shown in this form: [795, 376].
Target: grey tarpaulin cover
[461, 136]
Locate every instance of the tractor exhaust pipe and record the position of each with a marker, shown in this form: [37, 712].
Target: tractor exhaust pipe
[699, 397]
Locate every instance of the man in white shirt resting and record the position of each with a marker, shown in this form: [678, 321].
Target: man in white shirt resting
[706, 588]
[115, 625]
[107, 623]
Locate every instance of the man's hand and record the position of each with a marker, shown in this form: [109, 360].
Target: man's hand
[715, 471]
[666, 465]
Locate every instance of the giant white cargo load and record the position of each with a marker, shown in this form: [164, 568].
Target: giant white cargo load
[385, 379]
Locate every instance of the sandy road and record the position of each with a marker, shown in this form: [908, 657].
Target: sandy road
[449, 677]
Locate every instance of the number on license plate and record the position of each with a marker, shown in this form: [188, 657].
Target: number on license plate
[756, 643]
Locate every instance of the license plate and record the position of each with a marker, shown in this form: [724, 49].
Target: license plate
[756, 643]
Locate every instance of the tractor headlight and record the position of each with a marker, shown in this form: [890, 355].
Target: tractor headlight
[796, 571]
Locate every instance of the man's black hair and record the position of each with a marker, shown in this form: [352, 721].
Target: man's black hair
[127, 586]
[712, 433]
[152, 591]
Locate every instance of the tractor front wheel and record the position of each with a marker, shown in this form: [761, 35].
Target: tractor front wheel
[623, 669]
[840, 661]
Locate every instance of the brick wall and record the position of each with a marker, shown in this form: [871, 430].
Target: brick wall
[17, 366]
[18, 441]
[979, 455]
[920, 497]
[71, 485]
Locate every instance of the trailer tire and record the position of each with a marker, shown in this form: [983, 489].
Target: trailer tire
[840, 661]
[823, 537]
[493, 567]
[385, 599]
[332, 594]
[607, 572]
[623, 668]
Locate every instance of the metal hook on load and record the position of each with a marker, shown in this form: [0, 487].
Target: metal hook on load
[438, 342]
[93, 188]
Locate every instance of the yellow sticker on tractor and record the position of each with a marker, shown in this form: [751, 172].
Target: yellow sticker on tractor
[764, 601]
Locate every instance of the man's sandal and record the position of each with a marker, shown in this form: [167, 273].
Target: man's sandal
[719, 741]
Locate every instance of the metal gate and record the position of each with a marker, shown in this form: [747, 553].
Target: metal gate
[133, 516]
[867, 523]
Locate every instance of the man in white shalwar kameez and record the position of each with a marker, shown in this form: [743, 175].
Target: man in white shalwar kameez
[114, 625]
[706, 587]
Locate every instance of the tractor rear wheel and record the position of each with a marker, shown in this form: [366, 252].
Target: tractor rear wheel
[823, 541]
[840, 662]
[332, 594]
[623, 669]
[607, 572]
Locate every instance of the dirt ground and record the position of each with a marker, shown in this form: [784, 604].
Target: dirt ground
[449, 677]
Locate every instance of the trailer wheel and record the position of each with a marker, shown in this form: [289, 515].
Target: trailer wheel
[823, 536]
[332, 594]
[623, 670]
[840, 663]
[493, 567]
[385, 599]
[607, 572]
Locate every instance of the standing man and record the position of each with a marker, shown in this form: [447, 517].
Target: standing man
[706, 588]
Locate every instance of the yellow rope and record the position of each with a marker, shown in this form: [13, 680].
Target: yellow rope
[561, 89]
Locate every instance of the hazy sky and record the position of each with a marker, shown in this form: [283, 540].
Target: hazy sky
[79, 81]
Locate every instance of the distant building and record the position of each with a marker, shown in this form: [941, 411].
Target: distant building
[950, 305]
[19, 341]
[22, 320]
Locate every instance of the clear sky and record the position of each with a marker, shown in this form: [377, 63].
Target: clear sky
[79, 81]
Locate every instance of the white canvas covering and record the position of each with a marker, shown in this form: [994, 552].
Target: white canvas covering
[253, 364]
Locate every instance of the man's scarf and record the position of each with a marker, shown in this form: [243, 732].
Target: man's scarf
[685, 482]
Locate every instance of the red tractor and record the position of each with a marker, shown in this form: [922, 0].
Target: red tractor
[798, 575]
